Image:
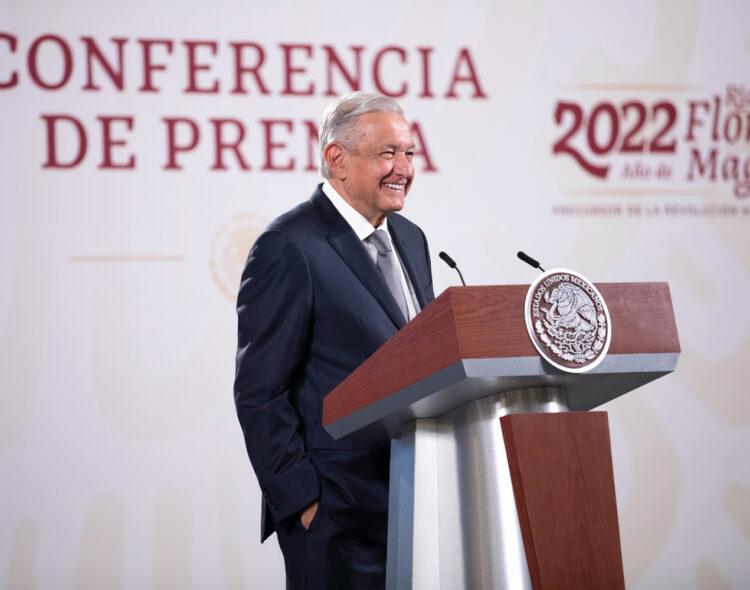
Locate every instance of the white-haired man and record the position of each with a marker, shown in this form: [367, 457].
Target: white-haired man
[325, 285]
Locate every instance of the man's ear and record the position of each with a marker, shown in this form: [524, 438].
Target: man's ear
[336, 159]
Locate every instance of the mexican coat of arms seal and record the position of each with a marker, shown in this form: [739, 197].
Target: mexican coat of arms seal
[567, 320]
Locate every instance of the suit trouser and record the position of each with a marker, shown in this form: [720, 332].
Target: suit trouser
[329, 557]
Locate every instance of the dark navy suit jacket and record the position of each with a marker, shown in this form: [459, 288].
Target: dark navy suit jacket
[312, 307]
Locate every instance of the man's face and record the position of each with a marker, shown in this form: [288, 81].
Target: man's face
[379, 168]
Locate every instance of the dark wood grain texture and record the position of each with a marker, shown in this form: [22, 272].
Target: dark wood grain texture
[563, 482]
[488, 322]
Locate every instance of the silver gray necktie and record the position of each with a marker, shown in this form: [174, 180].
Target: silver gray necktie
[386, 262]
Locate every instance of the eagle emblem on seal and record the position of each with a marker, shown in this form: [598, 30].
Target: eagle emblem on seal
[567, 320]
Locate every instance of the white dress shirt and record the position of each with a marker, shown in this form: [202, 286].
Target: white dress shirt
[363, 228]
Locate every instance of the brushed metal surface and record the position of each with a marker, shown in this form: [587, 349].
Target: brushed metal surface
[453, 522]
[471, 379]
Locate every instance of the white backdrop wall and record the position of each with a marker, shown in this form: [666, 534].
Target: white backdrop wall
[608, 137]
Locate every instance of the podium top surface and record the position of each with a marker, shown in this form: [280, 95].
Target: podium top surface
[472, 341]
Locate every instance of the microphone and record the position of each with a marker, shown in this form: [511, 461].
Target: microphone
[450, 262]
[529, 260]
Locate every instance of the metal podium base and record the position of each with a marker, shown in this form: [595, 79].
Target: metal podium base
[452, 519]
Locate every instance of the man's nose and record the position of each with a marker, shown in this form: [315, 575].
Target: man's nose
[403, 165]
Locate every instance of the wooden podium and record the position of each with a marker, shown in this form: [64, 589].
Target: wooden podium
[500, 477]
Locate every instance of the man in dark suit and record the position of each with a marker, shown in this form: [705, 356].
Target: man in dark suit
[325, 285]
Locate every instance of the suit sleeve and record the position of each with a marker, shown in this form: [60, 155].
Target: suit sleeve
[274, 309]
[429, 293]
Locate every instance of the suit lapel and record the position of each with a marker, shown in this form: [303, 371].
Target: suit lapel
[407, 257]
[344, 241]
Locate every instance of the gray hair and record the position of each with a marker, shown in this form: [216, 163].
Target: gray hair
[340, 118]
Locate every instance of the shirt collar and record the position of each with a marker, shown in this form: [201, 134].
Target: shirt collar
[354, 218]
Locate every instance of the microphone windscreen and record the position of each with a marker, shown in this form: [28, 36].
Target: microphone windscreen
[528, 259]
[447, 259]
